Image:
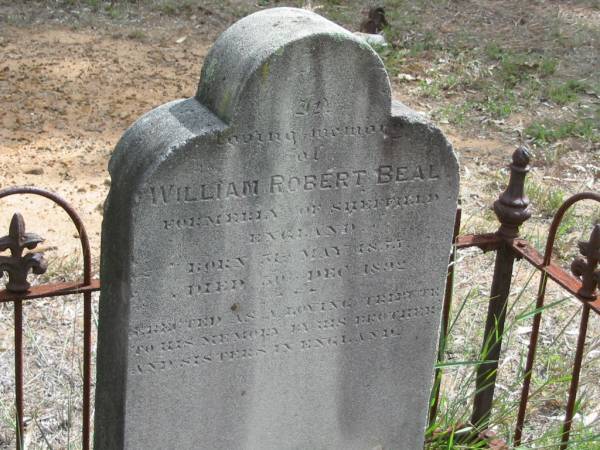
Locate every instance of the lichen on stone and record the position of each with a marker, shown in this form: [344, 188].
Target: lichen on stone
[264, 71]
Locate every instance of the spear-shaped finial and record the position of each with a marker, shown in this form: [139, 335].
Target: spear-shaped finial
[512, 207]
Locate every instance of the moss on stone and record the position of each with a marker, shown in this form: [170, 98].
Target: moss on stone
[209, 70]
[224, 102]
[264, 71]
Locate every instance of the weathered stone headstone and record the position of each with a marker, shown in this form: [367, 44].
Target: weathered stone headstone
[274, 253]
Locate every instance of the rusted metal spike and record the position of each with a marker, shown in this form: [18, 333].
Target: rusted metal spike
[512, 208]
[16, 265]
[585, 267]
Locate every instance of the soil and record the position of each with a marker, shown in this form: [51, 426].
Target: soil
[67, 96]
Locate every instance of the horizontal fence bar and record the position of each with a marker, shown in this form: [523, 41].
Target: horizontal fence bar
[555, 272]
[524, 250]
[486, 242]
[50, 290]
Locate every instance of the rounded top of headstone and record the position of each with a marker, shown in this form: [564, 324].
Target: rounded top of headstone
[289, 55]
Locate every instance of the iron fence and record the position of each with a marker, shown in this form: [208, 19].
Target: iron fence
[512, 210]
[18, 290]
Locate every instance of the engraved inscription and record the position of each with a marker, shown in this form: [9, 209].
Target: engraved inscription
[291, 234]
[274, 291]
[399, 174]
[225, 218]
[260, 138]
[323, 181]
[218, 265]
[216, 287]
[312, 106]
[285, 330]
[171, 193]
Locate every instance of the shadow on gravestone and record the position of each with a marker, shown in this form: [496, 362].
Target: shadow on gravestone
[274, 253]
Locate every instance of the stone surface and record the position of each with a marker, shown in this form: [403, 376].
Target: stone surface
[274, 253]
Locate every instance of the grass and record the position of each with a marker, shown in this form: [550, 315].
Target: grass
[430, 89]
[63, 269]
[473, 79]
[94, 4]
[501, 82]
[115, 11]
[550, 379]
[53, 379]
[137, 35]
[512, 68]
[454, 114]
[544, 201]
[476, 82]
[549, 131]
[174, 7]
[563, 93]
[499, 104]
[393, 59]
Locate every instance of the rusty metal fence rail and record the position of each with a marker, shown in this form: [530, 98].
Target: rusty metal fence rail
[512, 209]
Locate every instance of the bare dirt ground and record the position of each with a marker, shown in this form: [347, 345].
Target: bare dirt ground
[75, 74]
[68, 93]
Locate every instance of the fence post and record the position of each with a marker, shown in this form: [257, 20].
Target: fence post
[512, 209]
[437, 379]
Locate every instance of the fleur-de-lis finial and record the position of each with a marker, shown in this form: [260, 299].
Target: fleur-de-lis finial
[16, 265]
[585, 268]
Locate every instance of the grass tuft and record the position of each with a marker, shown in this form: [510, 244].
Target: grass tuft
[567, 92]
[544, 201]
[548, 131]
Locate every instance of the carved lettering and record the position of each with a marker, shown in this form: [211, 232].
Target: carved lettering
[216, 220]
[384, 203]
[324, 181]
[169, 194]
[400, 174]
[216, 287]
[373, 268]
[218, 265]
[327, 273]
[328, 231]
[306, 107]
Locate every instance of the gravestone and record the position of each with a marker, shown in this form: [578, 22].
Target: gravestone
[274, 252]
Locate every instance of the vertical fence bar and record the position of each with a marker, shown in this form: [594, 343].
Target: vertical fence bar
[533, 340]
[512, 209]
[447, 305]
[87, 361]
[492, 343]
[585, 315]
[19, 372]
